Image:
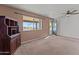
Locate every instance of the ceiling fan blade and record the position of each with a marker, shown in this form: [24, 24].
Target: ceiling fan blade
[74, 11]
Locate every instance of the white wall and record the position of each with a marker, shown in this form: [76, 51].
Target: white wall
[69, 26]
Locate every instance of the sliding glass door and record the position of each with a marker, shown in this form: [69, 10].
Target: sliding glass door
[53, 27]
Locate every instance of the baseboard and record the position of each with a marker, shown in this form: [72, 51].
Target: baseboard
[68, 37]
[33, 40]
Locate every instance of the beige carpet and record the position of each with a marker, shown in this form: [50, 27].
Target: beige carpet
[52, 45]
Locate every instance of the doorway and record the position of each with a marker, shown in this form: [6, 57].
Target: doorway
[53, 27]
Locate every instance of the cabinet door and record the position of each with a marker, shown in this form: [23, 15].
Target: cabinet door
[18, 42]
[13, 45]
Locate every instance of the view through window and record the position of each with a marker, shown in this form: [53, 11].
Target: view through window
[30, 23]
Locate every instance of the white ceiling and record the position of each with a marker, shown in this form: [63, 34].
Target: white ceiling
[51, 10]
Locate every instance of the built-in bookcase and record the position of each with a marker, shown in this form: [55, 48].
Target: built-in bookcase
[12, 26]
[9, 35]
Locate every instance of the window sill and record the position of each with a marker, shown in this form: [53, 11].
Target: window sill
[31, 30]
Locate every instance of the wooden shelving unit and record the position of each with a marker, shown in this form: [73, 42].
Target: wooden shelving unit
[10, 38]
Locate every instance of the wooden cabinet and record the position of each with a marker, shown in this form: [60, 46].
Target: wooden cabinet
[9, 35]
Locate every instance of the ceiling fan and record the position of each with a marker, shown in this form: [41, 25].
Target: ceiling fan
[74, 12]
[68, 13]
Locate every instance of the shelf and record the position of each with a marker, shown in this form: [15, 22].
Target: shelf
[12, 26]
[12, 30]
[14, 35]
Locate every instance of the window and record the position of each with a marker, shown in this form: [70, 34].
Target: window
[30, 23]
[27, 26]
